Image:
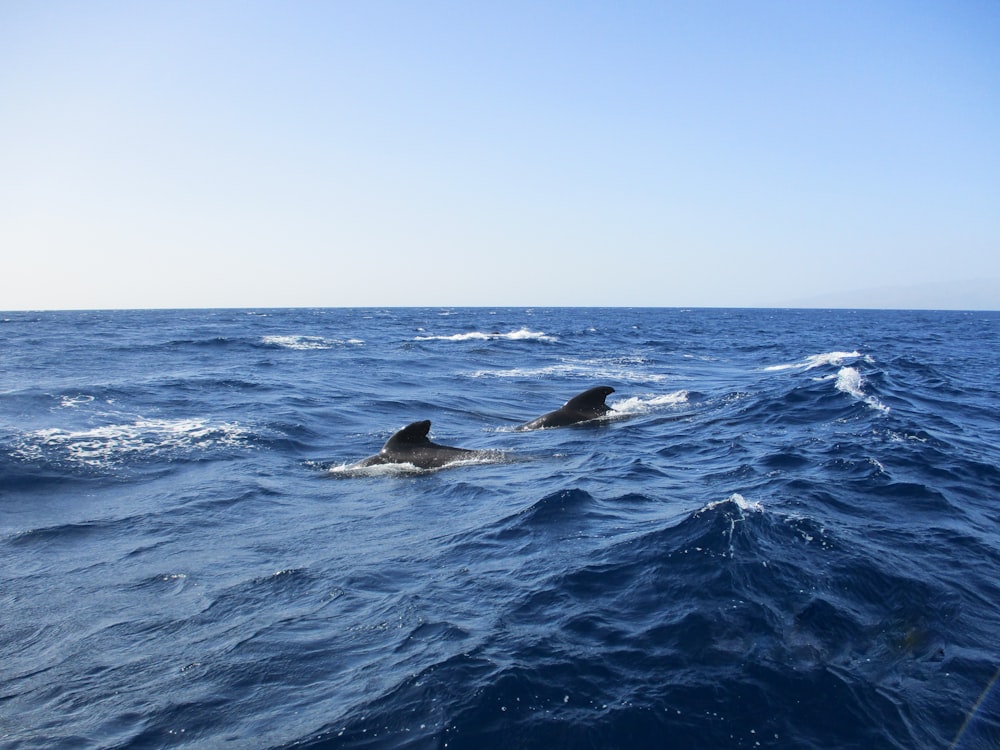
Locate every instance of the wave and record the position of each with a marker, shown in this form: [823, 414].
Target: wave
[75, 401]
[635, 405]
[114, 444]
[554, 509]
[212, 342]
[849, 381]
[817, 360]
[522, 334]
[304, 343]
[848, 378]
[736, 500]
[639, 636]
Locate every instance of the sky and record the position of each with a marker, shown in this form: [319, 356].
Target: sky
[369, 153]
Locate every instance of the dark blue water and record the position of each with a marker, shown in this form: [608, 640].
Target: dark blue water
[786, 534]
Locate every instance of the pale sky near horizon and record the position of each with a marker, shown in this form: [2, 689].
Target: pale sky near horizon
[272, 154]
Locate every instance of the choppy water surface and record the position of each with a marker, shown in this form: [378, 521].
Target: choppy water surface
[785, 533]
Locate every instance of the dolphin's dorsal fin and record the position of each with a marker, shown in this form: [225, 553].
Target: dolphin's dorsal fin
[412, 434]
[591, 401]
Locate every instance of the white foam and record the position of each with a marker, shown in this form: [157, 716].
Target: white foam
[302, 343]
[111, 444]
[396, 469]
[849, 381]
[72, 402]
[816, 360]
[643, 405]
[351, 470]
[741, 502]
[523, 334]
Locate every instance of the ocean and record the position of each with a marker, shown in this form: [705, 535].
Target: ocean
[785, 534]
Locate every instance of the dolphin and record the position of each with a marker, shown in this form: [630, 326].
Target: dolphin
[581, 408]
[410, 445]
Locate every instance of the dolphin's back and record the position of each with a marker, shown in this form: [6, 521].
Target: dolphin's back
[582, 407]
[590, 402]
[410, 445]
[410, 436]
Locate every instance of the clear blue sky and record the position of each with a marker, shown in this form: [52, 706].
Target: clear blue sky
[230, 154]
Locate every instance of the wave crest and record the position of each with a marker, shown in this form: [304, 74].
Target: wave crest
[849, 381]
[643, 405]
[522, 334]
[816, 360]
[305, 343]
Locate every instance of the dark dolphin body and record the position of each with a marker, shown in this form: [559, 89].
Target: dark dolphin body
[411, 446]
[582, 407]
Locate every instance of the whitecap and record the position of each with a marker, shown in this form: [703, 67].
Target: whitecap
[816, 360]
[474, 336]
[741, 502]
[849, 381]
[642, 405]
[300, 343]
[72, 402]
[522, 334]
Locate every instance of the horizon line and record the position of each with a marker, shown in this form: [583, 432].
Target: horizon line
[790, 308]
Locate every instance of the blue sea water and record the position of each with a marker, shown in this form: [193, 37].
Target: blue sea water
[785, 534]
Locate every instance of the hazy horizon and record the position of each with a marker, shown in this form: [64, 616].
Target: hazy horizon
[982, 297]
